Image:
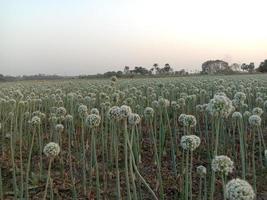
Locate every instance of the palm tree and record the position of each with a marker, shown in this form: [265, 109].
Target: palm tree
[167, 68]
[126, 70]
[156, 66]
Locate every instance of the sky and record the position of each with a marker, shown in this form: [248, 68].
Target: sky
[68, 37]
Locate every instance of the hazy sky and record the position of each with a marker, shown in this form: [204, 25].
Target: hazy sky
[71, 37]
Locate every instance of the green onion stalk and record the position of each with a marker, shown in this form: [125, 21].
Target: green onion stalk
[84, 180]
[95, 163]
[217, 132]
[11, 115]
[253, 162]
[132, 175]
[116, 149]
[70, 131]
[29, 161]
[159, 176]
[262, 145]
[126, 168]
[51, 150]
[20, 151]
[140, 176]
[242, 147]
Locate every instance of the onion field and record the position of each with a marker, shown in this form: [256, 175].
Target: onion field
[184, 138]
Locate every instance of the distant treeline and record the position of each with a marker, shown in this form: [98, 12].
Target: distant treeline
[208, 67]
[31, 77]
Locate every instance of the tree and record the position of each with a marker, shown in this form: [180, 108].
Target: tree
[151, 70]
[244, 67]
[235, 67]
[119, 73]
[167, 69]
[2, 77]
[263, 67]
[126, 70]
[140, 70]
[215, 66]
[156, 67]
[251, 67]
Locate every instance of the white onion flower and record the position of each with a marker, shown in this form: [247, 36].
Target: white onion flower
[59, 128]
[69, 118]
[125, 111]
[238, 189]
[257, 111]
[92, 120]
[254, 120]
[190, 142]
[134, 119]
[149, 112]
[222, 164]
[187, 120]
[220, 105]
[36, 121]
[201, 170]
[82, 110]
[114, 79]
[94, 111]
[181, 119]
[240, 96]
[114, 113]
[61, 111]
[236, 116]
[155, 104]
[190, 121]
[51, 150]
[247, 114]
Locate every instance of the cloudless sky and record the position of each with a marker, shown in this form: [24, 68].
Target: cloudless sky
[71, 37]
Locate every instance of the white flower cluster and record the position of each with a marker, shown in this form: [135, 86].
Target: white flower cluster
[92, 120]
[247, 114]
[222, 164]
[114, 113]
[257, 111]
[114, 79]
[134, 119]
[149, 112]
[236, 116]
[238, 189]
[190, 142]
[187, 120]
[181, 119]
[201, 170]
[240, 97]
[94, 111]
[51, 150]
[155, 104]
[181, 102]
[201, 108]
[164, 102]
[220, 106]
[175, 105]
[125, 111]
[36, 121]
[61, 111]
[82, 110]
[254, 120]
[59, 128]
[69, 118]
[118, 113]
